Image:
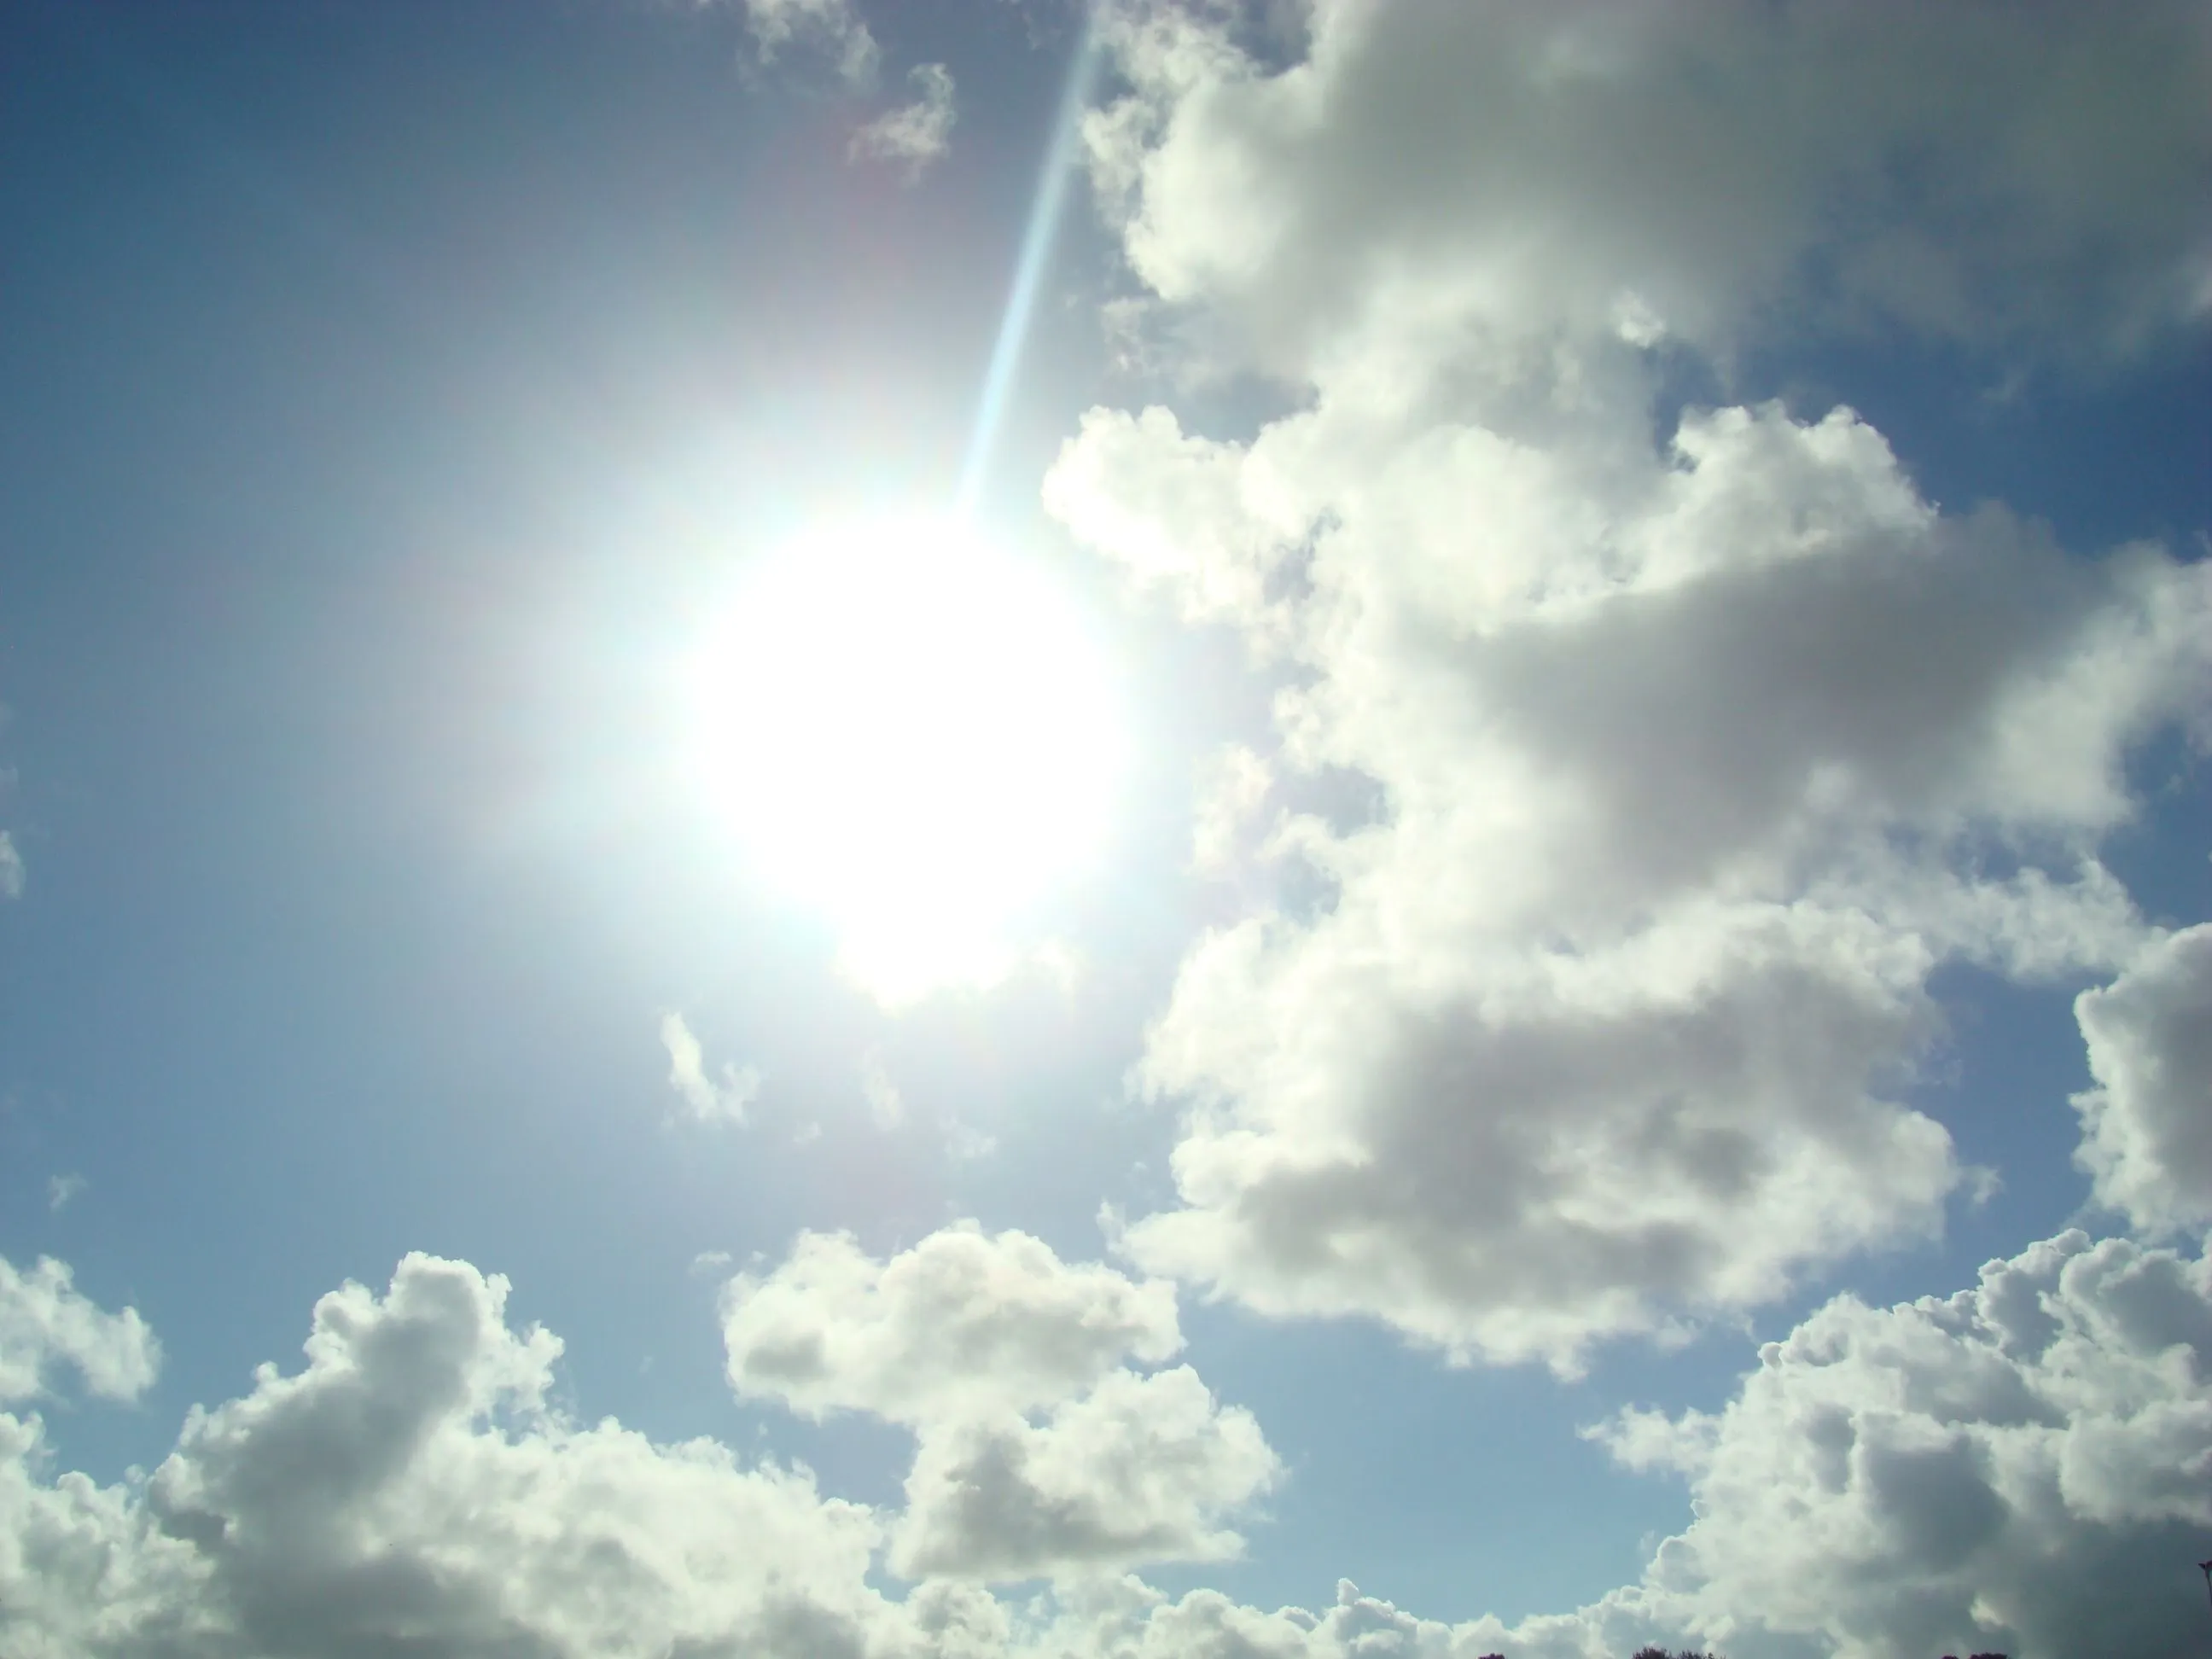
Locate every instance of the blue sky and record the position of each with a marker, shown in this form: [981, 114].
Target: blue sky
[1430, 949]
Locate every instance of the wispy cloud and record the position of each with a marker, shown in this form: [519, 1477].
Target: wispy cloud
[885, 1103]
[830, 26]
[916, 134]
[721, 1098]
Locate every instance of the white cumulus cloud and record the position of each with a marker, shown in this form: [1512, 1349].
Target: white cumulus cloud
[1139, 1469]
[1982, 170]
[2147, 1127]
[46, 1323]
[11, 867]
[964, 1324]
[2025, 1467]
[411, 1489]
[1038, 1451]
[1693, 757]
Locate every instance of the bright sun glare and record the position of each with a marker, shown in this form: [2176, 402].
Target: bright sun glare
[913, 733]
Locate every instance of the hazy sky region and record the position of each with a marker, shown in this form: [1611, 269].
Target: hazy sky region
[993, 830]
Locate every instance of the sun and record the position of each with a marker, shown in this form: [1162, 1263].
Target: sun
[913, 732]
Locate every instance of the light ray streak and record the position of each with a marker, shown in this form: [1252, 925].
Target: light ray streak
[1028, 271]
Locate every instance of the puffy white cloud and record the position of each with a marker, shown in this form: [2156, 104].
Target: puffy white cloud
[1690, 761]
[1692, 766]
[2147, 1127]
[917, 135]
[1979, 169]
[2024, 1467]
[11, 867]
[964, 1325]
[411, 1478]
[1139, 1469]
[709, 1098]
[46, 1322]
[411, 1490]
[832, 28]
[1038, 1451]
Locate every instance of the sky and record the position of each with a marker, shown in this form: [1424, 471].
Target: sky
[999, 829]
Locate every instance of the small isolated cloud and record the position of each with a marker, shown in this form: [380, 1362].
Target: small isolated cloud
[45, 1322]
[61, 1188]
[915, 135]
[831, 27]
[885, 1103]
[11, 867]
[2147, 1126]
[722, 1099]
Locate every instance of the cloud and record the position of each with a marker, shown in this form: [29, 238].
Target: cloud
[11, 868]
[886, 1105]
[917, 135]
[1139, 1469]
[1690, 759]
[63, 1188]
[1230, 798]
[1691, 762]
[411, 1489]
[1037, 1451]
[46, 1323]
[2147, 1127]
[710, 1100]
[2021, 1467]
[831, 27]
[965, 1324]
[1425, 173]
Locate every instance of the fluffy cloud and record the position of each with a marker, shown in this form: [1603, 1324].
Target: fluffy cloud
[11, 867]
[915, 135]
[709, 1098]
[410, 1489]
[1979, 169]
[963, 1324]
[1138, 1469]
[2022, 1465]
[1691, 766]
[46, 1323]
[1689, 761]
[1038, 1451]
[2147, 1126]
[2025, 1466]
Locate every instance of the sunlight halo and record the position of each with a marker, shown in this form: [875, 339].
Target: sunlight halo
[913, 733]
